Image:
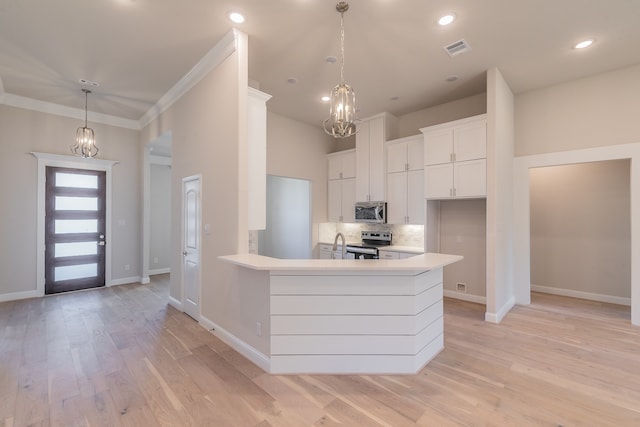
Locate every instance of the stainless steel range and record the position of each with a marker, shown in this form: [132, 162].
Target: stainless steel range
[371, 241]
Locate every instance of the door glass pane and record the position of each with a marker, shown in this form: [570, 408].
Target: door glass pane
[75, 272]
[192, 227]
[65, 226]
[76, 203]
[76, 180]
[76, 249]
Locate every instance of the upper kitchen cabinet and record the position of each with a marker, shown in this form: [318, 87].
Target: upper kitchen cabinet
[257, 159]
[405, 193]
[341, 186]
[370, 156]
[342, 165]
[455, 159]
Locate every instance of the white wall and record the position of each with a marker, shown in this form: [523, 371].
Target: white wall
[500, 146]
[581, 230]
[23, 131]
[160, 218]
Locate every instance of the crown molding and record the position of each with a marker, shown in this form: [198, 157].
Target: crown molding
[218, 53]
[60, 110]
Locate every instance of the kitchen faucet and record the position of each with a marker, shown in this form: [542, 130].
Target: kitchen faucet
[335, 245]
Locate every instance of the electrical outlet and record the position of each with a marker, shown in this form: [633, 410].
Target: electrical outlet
[259, 329]
[461, 287]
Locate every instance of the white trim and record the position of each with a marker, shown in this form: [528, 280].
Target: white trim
[13, 296]
[521, 201]
[177, 304]
[465, 297]
[260, 359]
[145, 280]
[159, 271]
[57, 160]
[504, 310]
[124, 281]
[581, 295]
[70, 112]
[218, 53]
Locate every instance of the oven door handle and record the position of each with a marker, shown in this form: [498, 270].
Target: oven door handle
[356, 250]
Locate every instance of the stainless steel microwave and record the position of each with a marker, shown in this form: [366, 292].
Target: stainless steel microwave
[371, 212]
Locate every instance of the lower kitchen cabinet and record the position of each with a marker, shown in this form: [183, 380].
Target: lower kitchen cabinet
[326, 251]
[384, 254]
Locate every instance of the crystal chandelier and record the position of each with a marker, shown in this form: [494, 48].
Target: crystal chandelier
[342, 112]
[85, 145]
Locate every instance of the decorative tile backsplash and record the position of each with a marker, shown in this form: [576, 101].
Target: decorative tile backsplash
[403, 235]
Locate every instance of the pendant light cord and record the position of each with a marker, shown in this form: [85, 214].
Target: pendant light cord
[342, 47]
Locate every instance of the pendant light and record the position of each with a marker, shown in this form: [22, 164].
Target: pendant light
[342, 112]
[85, 145]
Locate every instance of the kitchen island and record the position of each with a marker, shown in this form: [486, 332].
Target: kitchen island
[349, 316]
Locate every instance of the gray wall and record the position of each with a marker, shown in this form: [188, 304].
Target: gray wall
[581, 228]
[23, 131]
[160, 218]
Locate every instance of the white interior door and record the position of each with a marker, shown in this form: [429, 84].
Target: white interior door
[191, 221]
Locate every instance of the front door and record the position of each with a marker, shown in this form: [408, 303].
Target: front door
[75, 228]
[191, 246]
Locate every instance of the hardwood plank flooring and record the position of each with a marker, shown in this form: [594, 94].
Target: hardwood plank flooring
[123, 357]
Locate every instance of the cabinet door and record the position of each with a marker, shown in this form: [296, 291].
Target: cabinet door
[415, 154]
[415, 197]
[397, 158]
[470, 141]
[438, 146]
[438, 181]
[349, 165]
[335, 167]
[396, 198]
[470, 178]
[348, 200]
[376, 158]
[388, 255]
[325, 254]
[334, 201]
[362, 161]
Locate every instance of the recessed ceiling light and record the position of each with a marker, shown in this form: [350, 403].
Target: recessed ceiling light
[394, 98]
[292, 80]
[447, 19]
[326, 98]
[452, 78]
[331, 59]
[583, 44]
[236, 17]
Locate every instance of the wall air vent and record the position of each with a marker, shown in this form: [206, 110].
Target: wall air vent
[456, 48]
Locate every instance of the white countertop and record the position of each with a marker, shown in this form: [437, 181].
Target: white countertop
[418, 263]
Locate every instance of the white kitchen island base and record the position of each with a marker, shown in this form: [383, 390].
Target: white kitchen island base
[353, 316]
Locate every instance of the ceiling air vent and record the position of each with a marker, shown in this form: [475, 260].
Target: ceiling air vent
[456, 48]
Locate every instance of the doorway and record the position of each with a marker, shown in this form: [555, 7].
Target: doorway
[75, 229]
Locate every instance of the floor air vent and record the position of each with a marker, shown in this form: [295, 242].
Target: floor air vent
[456, 48]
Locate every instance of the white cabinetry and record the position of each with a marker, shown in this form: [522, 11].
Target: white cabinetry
[370, 139]
[326, 251]
[257, 159]
[341, 186]
[405, 180]
[455, 159]
[385, 254]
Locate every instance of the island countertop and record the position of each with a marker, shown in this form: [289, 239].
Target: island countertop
[418, 263]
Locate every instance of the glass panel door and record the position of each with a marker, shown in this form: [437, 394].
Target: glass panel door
[74, 229]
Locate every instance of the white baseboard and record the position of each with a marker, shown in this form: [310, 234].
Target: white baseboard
[159, 271]
[499, 315]
[175, 303]
[260, 359]
[465, 297]
[145, 280]
[582, 295]
[13, 296]
[125, 281]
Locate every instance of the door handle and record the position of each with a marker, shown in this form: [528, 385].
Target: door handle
[184, 253]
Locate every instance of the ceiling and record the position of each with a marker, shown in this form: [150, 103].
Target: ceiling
[138, 49]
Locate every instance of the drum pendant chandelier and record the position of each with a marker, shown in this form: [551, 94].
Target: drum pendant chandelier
[342, 112]
[85, 145]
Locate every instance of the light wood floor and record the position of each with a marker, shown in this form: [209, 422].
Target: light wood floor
[122, 356]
